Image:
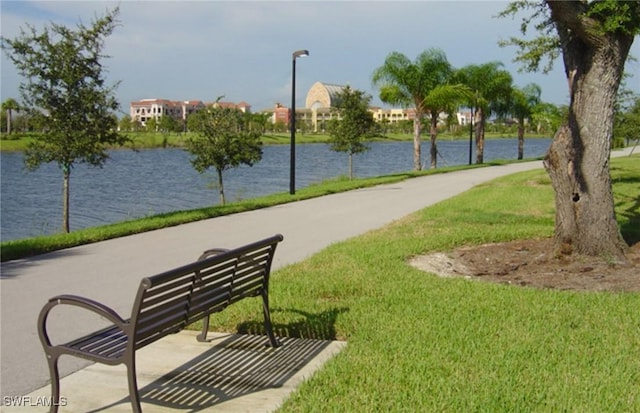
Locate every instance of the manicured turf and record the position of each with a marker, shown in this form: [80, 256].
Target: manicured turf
[420, 343]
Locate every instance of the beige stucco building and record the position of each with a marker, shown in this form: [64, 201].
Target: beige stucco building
[320, 99]
[324, 96]
[146, 109]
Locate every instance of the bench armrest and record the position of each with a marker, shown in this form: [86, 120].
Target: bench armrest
[211, 252]
[82, 302]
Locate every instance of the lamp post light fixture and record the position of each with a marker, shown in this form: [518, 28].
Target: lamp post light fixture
[292, 173]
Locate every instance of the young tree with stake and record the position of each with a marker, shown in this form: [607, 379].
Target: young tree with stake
[355, 125]
[222, 143]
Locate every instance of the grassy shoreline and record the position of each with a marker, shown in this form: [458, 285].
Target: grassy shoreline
[16, 249]
[22, 248]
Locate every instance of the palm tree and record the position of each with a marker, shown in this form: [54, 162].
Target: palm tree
[443, 98]
[523, 103]
[423, 83]
[491, 91]
[10, 105]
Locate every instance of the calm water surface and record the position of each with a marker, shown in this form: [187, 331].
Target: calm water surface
[137, 184]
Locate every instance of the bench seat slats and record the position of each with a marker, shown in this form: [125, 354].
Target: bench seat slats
[109, 344]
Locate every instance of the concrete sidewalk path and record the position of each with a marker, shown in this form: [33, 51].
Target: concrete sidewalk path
[232, 373]
[110, 271]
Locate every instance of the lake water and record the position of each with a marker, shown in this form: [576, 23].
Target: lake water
[137, 184]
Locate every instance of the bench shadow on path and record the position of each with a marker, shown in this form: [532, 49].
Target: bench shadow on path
[237, 366]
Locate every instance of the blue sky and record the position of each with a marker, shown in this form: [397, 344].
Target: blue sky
[184, 50]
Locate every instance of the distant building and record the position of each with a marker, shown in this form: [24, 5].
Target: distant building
[393, 115]
[281, 114]
[464, 118]
[323, 95]
[146, 109]
[322, 98]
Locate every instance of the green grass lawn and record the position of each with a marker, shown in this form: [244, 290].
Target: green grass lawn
[420, 343]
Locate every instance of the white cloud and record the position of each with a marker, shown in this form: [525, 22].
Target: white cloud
[202, 49]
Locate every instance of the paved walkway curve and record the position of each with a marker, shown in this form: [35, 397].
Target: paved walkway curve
[110, 271]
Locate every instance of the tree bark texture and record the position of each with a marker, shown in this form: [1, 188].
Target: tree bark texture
[434, 147]
[417, 129]
[350, 166]
[479, 125]
[578, 158]
[220, 186]
[521, 139]
[65, 200]
[9, 114]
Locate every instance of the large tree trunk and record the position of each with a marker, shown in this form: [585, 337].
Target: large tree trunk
[433, 130]
[578, 158]
[417, 129]
[480, 121]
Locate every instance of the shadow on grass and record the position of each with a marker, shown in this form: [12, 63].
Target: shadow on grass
[631, 228]
[318, 326]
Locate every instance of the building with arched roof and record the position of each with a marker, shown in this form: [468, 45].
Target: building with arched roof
[323, 95]
[320, 99]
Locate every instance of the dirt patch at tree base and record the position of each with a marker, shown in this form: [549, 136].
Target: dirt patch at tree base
[531, 263]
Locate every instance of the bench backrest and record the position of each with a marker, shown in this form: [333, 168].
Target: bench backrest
[166, 303]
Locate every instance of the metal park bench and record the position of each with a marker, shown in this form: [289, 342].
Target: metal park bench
[165, 304]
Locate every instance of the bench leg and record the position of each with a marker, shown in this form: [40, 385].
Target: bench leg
[134, 395]
[267, 320]
[55, 382]
[202, 337]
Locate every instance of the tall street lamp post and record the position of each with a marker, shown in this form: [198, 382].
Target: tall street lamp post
[292, 173]
[470, 134]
